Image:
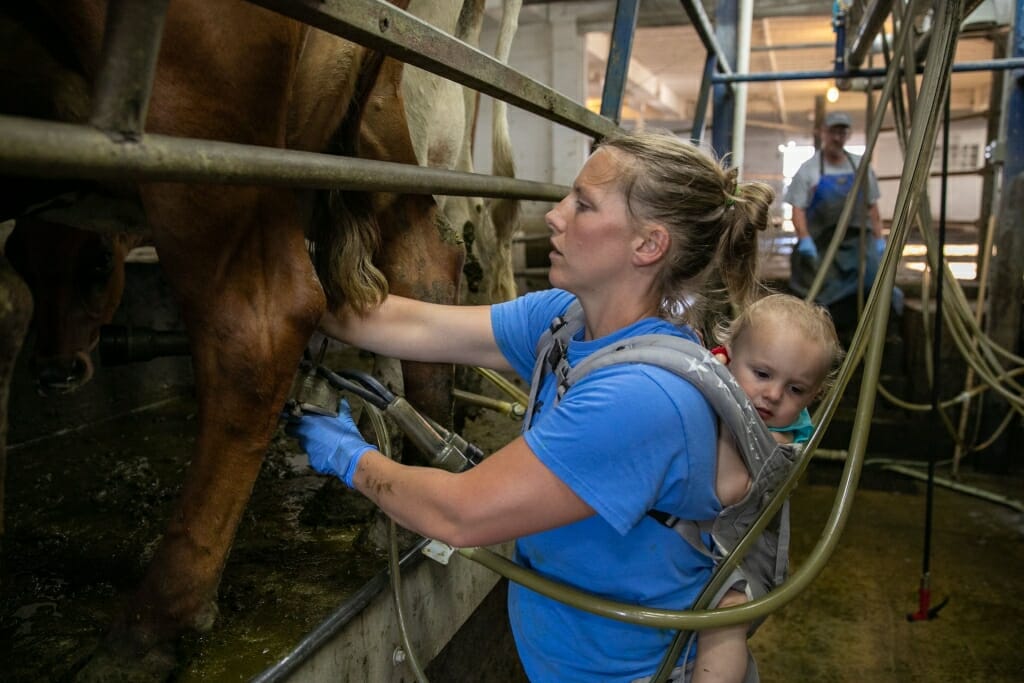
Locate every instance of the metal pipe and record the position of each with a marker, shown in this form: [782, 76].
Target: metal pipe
[61, 150]
[921, 46]
[791, 46]
[131, 45]
[839, 28]
[700, 109]
[739, 122]
[962, 67]
[701, 23]
[387, 29]
[617, 66]
[723, 107]
[871, 23]
[1013, 159]
[513, 410]
[337, 620]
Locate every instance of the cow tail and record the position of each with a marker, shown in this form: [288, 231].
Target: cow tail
[504, 212]
[345, 231]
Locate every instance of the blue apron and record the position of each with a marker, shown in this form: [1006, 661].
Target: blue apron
[822, 217]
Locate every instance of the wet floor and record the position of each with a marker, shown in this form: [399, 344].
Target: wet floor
[850, 625]
[85, 511]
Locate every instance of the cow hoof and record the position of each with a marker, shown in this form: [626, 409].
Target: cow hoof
[205, 617]
[106, 666]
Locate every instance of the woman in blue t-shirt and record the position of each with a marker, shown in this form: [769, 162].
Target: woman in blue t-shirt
[649, 219]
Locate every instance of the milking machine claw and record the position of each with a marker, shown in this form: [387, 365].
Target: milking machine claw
[316, 389]
[310, 392]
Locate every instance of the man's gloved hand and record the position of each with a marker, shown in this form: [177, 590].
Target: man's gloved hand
[334, 444]
[806, 247]
[879, 246]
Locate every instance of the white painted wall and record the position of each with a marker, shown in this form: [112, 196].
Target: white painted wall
[963, 201]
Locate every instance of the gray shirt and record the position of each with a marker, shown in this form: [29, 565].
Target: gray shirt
[801, 189]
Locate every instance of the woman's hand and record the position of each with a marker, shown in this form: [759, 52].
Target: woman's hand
[334, 444]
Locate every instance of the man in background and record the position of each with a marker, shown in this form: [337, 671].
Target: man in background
[818, 193]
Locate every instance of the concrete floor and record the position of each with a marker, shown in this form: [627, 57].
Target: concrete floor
[851, 623]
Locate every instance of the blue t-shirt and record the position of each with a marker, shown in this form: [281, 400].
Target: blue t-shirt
[626, 439]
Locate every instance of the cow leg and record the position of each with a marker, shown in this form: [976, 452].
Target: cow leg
[15, 315]
[250, 305]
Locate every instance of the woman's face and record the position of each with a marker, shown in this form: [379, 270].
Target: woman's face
[592, 238]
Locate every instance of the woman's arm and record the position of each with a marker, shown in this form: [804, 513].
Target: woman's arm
[416, 330]
[508, 495]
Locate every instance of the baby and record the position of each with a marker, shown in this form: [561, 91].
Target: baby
[783, 352]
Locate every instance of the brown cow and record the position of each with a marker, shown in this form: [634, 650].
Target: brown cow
[236, 258]
[77, 278]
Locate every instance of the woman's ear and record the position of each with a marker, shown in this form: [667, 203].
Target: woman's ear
[654, 245]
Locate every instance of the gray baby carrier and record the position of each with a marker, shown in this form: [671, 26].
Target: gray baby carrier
[764, 566]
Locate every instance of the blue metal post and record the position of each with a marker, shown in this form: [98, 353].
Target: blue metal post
[700, 110]
[726, 18]
[618, 59]
[1014, 157]
[839, 27]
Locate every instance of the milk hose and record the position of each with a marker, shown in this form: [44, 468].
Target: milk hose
[384, 444]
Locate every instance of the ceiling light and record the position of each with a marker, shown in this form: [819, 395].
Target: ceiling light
[832, 95]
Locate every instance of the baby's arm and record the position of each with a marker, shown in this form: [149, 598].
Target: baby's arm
[722, 652]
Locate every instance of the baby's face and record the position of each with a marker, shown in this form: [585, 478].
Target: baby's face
[779, 369]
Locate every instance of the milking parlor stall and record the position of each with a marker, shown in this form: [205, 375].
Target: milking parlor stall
[189, 183]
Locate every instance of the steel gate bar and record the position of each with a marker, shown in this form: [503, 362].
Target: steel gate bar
[30, 147]
[383, 27]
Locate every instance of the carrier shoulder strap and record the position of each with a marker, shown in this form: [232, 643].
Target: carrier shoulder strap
[768, 462]
[685, 358]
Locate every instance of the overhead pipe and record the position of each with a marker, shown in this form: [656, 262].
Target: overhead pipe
[962, 67]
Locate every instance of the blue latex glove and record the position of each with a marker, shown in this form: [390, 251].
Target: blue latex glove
[879, 246]
[334, 444]
[806, 247]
